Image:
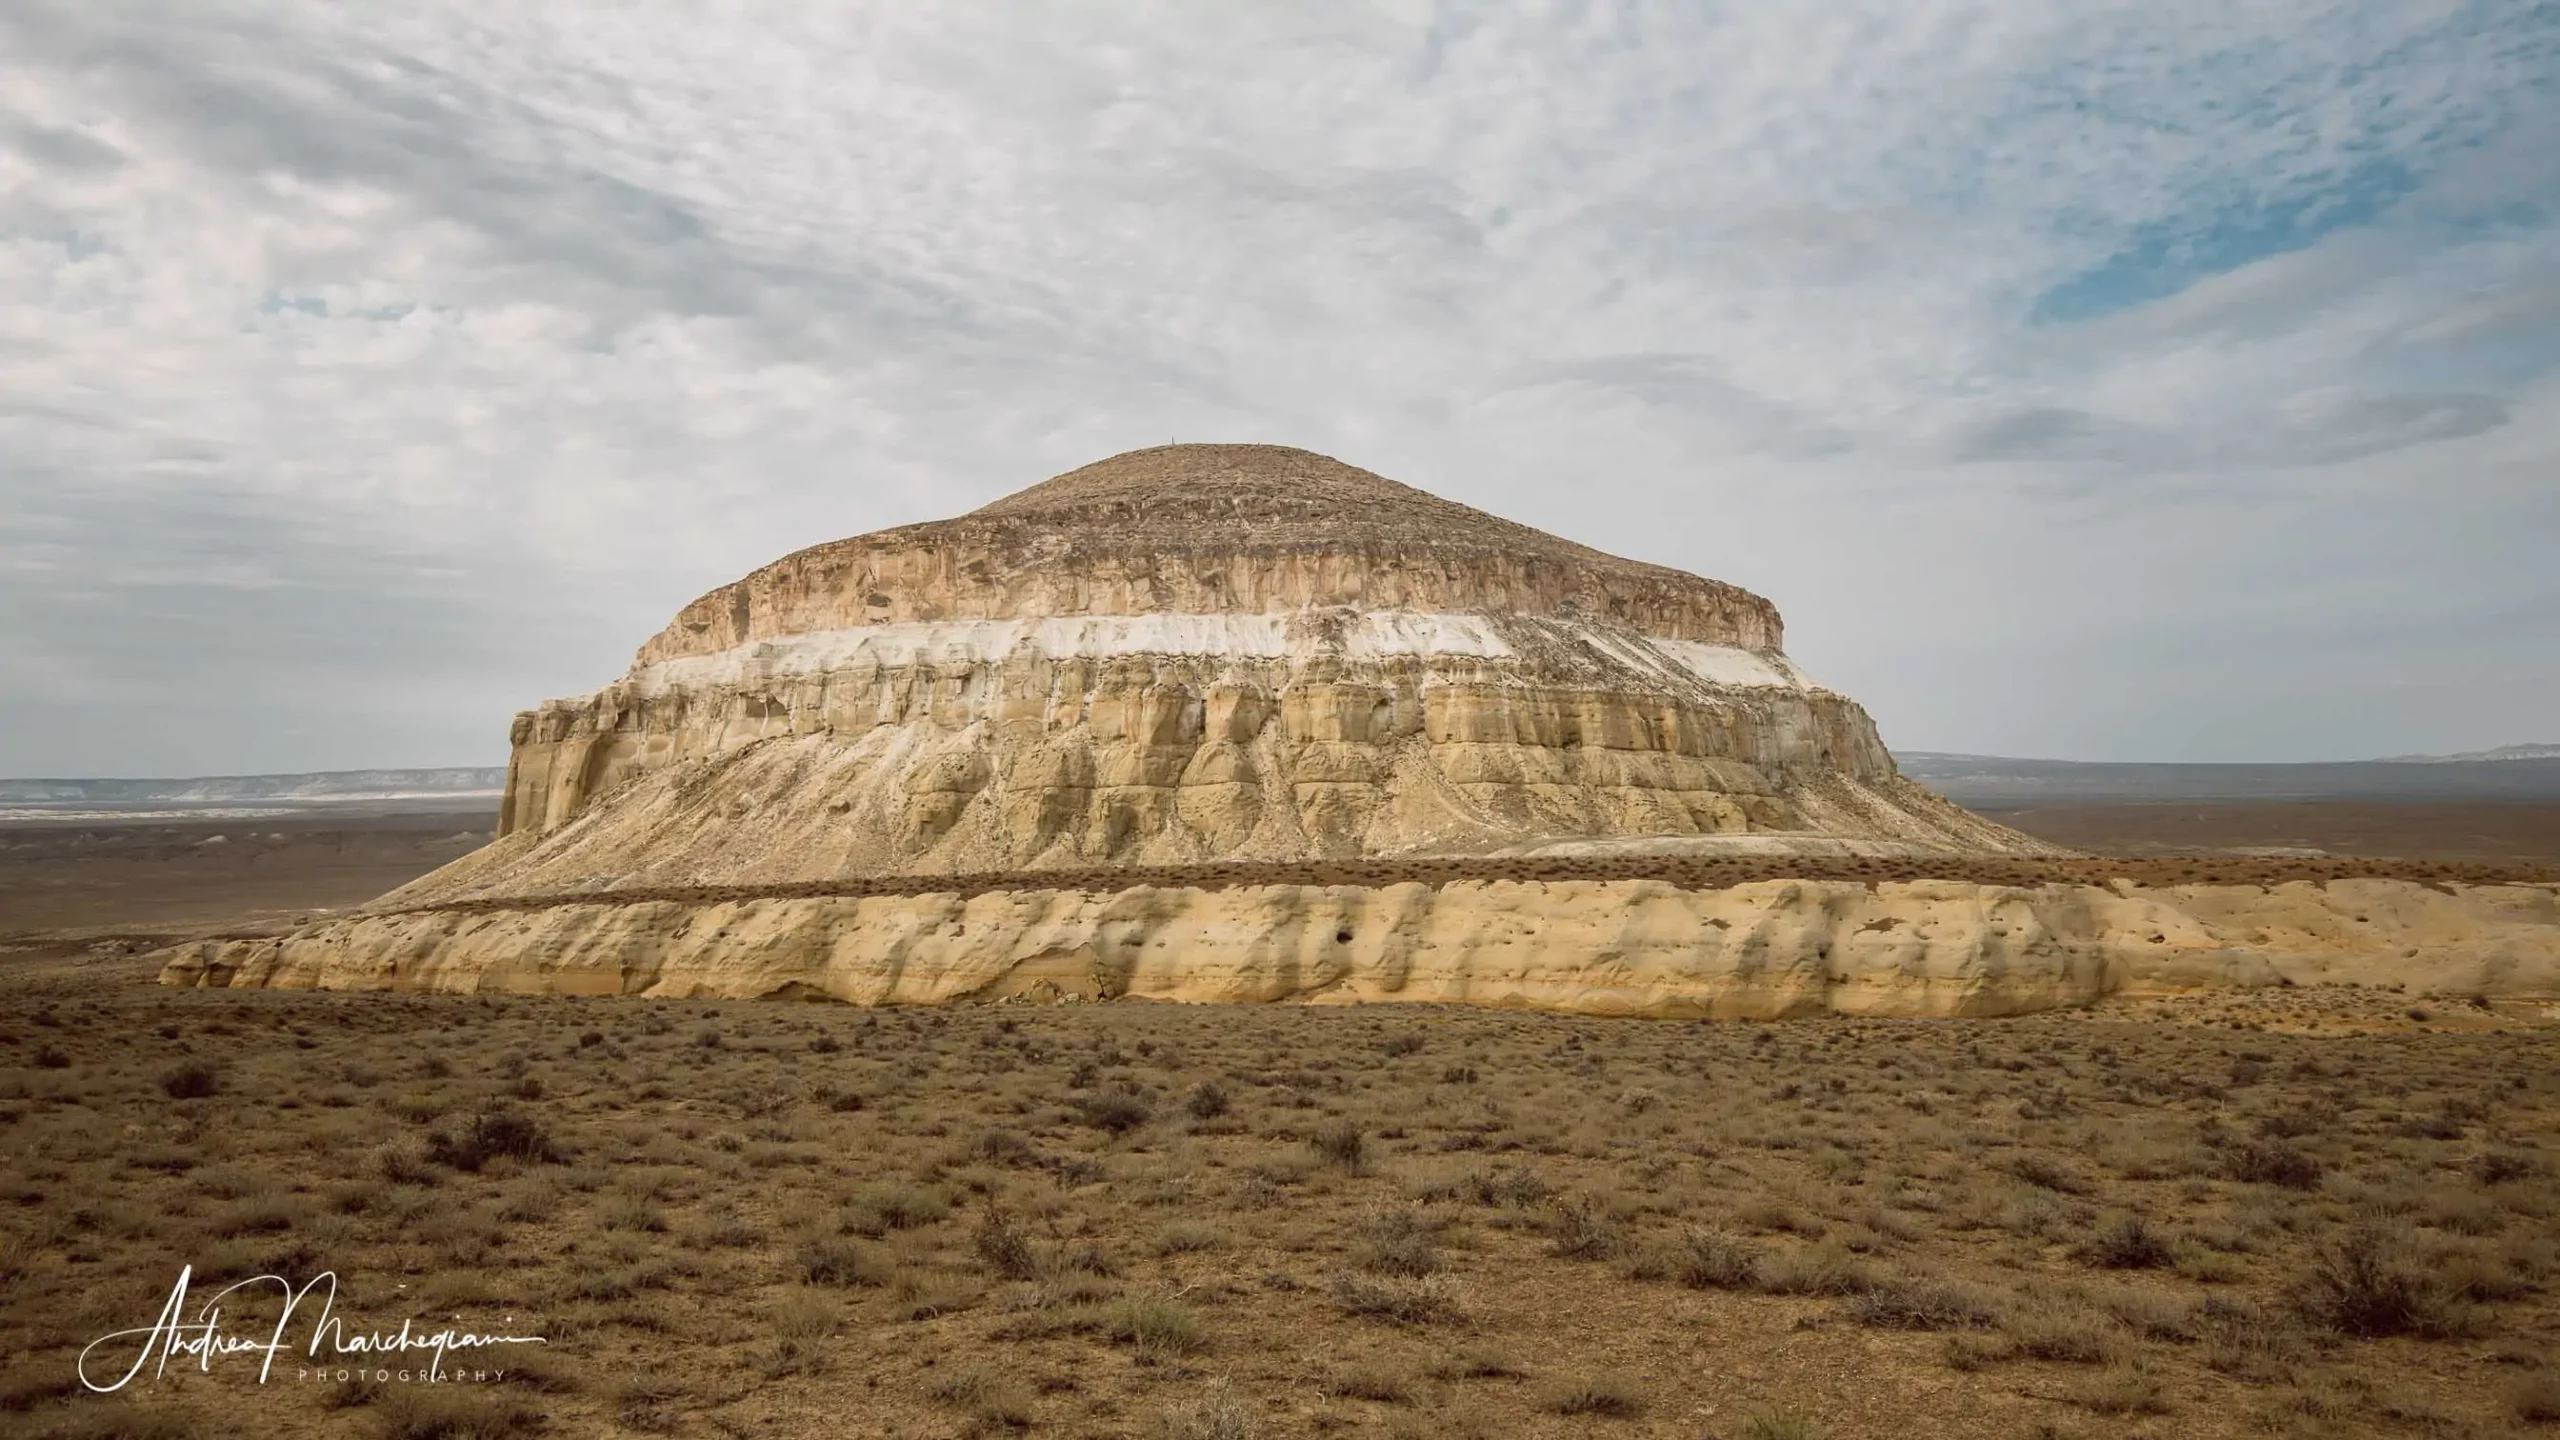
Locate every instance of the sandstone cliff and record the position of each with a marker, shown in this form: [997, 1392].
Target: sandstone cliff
[1638, 947]
[1187, 654]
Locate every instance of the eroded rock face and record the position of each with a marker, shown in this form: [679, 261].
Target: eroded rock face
[1629, 947]
[1184, 654]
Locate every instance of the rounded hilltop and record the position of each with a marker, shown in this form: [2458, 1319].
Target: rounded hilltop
[1211, 529]
[1206, 497]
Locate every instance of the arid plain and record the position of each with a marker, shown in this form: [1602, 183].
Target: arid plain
[2289, 1211]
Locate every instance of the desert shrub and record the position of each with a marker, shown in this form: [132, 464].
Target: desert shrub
[1155, 1327]
[1399, 1299]
[491, 1134]
[1914, 1302]
[1115, 1111]
[452, 1412]
[2048, 1327]
[2119, 1390]
[1373, 1383]
[896, 1205]
[2151, 1314]
[1714, 1260]
[1824, 1269]
[1398, 1242]
[2046, 1173]
[723, 1230]
[2296, 1122]
[2127, 1242]
[1002, 1247]
[1189, 1236]
[2365, 1286]
[989, 1396]
[1967, 1351]
[799, 1325]
[194, 1080]
[2271, 1162]
[1207, 1100]
[2240, 1339]
[636, 1213]
[837, 1260]
[402, 1165]
[2498, 1167]
[1341, 1142]
[1512, 1185]
[1086, 1258]
[1002, 1147]
[1603, 1395]
[1216, 1415]
[1580, 1228]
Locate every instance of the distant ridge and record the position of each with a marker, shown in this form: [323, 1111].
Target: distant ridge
[2517, 772]
[2503, 752]
[212, 789]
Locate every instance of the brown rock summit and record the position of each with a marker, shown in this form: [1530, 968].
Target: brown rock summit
[1187, 654]
[1211, 529]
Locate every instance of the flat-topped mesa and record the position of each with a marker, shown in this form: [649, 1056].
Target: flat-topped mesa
[1189, 654]
[1211, 529]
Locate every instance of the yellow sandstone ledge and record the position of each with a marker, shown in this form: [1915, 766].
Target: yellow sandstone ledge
[1767, 949]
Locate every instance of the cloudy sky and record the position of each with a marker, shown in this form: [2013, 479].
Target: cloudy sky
[2171, 380]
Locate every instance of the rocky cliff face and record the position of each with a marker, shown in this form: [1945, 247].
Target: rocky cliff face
[1627, 947]
[1185, 654]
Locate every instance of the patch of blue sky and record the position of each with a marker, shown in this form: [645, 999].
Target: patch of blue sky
[318, 307]
[2261, 149]
[2162, 257]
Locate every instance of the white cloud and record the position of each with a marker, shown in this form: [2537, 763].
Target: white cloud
[552, 317]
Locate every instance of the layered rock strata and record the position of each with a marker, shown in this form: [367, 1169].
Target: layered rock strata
[1764, 949]
[1189, 654]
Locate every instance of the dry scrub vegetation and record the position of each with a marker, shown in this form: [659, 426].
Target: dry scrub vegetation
[1194, 1222]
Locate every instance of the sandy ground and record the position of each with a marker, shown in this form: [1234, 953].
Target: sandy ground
[2319, 1213]
[2427, 830]
[161, 874]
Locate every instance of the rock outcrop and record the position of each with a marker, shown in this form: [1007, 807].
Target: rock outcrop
[1763, 949]
[1121, 734]
[1194, 653]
